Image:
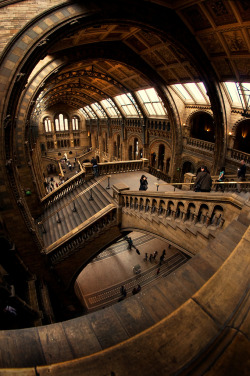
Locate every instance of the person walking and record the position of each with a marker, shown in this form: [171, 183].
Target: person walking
[241, 174]
[150, 257]
[203, 181]
[155, 254]
[146, 256]
[221, 178]
[161, 259]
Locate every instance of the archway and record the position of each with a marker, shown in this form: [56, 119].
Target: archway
[242, 137]
[202, 127]
[187, 167]
[161, 155]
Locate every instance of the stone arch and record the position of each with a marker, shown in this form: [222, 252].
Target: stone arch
[241, 132]
[202, 131]
[154, 149]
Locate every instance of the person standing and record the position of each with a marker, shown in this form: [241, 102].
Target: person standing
[95, 166]
[203, 181]
[143, 183]
[241, 174]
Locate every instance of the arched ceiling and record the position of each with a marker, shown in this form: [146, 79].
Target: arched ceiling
[110, 58]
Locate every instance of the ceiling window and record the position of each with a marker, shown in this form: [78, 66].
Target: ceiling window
[91, 114]
[151, 101]
[99, 110]
[61, 123]
[192, 93]
[126, 105]
[239, 94]
[111, 108]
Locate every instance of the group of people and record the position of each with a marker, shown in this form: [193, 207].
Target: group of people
[203, 181]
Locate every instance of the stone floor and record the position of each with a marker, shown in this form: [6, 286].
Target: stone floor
[99, 283]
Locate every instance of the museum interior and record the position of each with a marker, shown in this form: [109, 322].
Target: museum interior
[98, 276]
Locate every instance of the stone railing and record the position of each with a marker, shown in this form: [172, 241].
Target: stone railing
[116, 167]
[238, 156]
[201, 209]
[200, 144]
[64, 189]
[77, 238]
[159, 174]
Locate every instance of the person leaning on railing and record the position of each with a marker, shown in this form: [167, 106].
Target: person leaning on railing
[203, 181]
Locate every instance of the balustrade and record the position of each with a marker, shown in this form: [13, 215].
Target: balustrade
[64, 189]
[238, 155]
[76, 240]
[202, 211]
[201, 144]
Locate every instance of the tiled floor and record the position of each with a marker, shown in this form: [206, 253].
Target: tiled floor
[99, 283]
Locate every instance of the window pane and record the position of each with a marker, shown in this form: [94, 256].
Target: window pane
[57, 124]
[150, 109]
[195, 92]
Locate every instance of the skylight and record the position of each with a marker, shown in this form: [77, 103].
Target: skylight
[90, 112]
[111, 108]
[126, 105]
[99, 110]
[192, 93]
[239, 93]
[151, 102]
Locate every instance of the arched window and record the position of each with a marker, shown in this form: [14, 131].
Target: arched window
[75, 123]
[61, 123]
[47, 124]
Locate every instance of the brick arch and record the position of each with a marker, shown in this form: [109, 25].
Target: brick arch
[157, 142]
[195, 112]
[238, 122]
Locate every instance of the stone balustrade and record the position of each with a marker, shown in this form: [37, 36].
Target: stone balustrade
[200, 210]
[64, 189]
[79, 236]
[117, 167]
[238, 155]
[201, 144]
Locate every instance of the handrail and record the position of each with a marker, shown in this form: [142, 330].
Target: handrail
[213, 184]
[52, 247]
[72, 200]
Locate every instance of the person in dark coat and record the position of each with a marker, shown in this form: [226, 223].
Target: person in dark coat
[95, 166]
[143, 183]
[203, 181]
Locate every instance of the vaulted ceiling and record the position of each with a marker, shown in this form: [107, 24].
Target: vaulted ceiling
[105, 59]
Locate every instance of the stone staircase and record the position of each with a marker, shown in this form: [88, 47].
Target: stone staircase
[72, 210]
[185, 316]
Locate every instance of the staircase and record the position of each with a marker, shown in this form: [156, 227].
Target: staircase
[192, 317]
[72, 210]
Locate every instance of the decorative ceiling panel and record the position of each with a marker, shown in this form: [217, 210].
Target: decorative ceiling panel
[220, 11]
[167, 55]
[235, 41]
[224, 69]
[136, 44]
[244, 9]
[243, 67]
[195, 18]
[150, 38]
[212, 45]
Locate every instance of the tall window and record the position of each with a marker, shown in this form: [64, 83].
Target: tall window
[47, 124]
[61, 123]
[75, 123]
